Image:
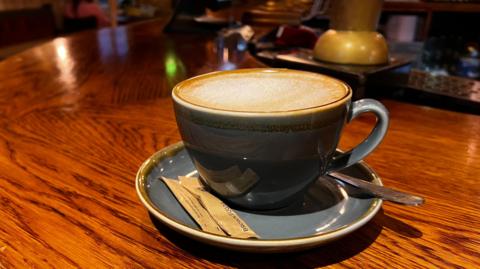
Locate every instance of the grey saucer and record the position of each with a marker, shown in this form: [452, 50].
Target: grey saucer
[330, 209]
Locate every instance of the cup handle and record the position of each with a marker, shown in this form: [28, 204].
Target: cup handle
[371, 142]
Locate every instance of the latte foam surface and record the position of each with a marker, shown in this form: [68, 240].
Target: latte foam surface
[263, 91]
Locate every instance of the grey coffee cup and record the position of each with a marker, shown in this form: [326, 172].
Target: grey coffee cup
[262, 161]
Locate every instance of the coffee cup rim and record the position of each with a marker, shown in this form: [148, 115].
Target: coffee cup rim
[308, 110]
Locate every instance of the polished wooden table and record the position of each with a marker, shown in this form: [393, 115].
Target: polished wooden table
[79, 115]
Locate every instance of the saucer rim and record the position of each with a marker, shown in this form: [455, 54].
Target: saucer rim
[240, 243]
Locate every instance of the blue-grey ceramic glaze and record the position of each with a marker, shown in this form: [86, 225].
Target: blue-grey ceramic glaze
[327, 206]
[266, 161]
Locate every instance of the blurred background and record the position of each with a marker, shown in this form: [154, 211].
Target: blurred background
[433, 46]
[26, 23]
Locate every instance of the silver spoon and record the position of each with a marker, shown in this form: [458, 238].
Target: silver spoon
[380, 191]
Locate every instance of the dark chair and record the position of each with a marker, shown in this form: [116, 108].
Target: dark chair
[79, 24]
[26, 25]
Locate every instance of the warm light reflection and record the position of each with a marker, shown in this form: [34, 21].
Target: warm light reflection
[62, 52]
[64, 63]
[343, 209]
[191, 174]
[473, 146]
[225, 55]
[344, 193]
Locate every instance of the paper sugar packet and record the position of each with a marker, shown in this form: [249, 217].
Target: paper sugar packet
[225, 217]
[209, 212]
[193, 207]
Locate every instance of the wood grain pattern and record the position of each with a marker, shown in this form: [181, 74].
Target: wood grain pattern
[79, 115]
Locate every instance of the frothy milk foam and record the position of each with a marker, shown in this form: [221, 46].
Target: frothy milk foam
[263, 91]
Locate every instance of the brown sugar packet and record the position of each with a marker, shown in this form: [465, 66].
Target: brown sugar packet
[193, 207]
[224, 216]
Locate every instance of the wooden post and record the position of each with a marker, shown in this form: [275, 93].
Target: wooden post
[113, 13]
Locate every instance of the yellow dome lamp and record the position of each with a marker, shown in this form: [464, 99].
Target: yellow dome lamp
[353, 38]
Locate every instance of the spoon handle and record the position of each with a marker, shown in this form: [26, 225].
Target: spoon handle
[380, 191]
